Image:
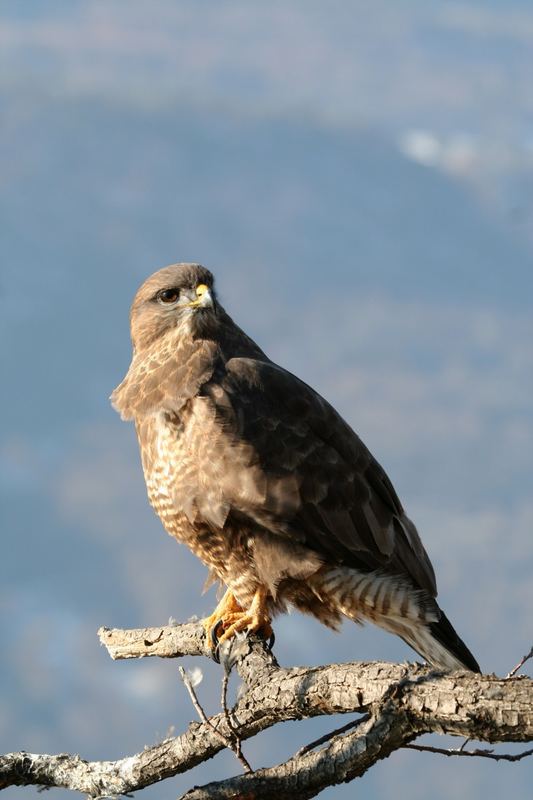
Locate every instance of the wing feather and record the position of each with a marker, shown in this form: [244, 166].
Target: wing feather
[319, 484]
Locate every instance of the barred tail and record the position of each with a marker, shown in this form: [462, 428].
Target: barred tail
[393, 603]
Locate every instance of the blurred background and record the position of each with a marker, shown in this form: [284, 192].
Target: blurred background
[359, 177]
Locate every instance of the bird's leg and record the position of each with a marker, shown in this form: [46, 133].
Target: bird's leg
[222, 616]
[255, 620]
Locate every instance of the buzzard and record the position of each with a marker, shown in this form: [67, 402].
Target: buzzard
[265, 482]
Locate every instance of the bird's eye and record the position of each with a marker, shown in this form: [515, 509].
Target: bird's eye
[168, 296]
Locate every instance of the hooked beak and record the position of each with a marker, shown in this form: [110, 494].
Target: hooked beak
[204, 298]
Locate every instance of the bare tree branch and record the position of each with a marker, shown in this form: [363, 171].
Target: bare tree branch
[344, 758]
[478, 753]
[402, 701]
[328, 736]
[521, 663]
[226, 740]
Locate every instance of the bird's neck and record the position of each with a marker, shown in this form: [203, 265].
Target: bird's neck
[172, 370]
[164, 376]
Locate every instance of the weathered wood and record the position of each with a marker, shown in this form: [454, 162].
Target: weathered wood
[403, 701]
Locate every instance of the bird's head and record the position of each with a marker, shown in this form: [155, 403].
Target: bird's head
[175, 296]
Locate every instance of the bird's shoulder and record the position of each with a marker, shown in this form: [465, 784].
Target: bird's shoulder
[268, 402]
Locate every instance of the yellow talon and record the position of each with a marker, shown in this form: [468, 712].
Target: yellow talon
[227, 607]
[231, 618]
[254, 620]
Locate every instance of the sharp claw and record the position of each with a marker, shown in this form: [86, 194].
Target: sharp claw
[215, 644]
[213, 634]
[271, 640]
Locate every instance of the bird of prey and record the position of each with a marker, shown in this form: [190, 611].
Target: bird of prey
[263, 480]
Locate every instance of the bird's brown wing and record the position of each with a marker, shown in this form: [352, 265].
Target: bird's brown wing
[294, 467]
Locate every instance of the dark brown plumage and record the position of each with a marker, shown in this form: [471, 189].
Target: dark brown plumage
[265, 482]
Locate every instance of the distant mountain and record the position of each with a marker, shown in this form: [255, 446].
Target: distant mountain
[96, 196]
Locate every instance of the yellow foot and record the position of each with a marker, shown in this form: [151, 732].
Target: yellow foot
[226, 609]
[230, 618]
[249, 622]
[223, 615]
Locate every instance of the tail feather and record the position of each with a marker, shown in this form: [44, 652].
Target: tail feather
[444, 632]
[439, 644]
[393, 603]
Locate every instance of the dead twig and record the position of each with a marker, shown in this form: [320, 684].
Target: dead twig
[230, 743]
[230, 720]
[328, 736]
[470, 753]
[521, 663]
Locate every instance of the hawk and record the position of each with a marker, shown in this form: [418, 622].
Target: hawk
[265, 482]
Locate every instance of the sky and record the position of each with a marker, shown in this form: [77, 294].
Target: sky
[359, 180]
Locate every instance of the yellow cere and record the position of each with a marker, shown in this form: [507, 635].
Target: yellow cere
[201, 289]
